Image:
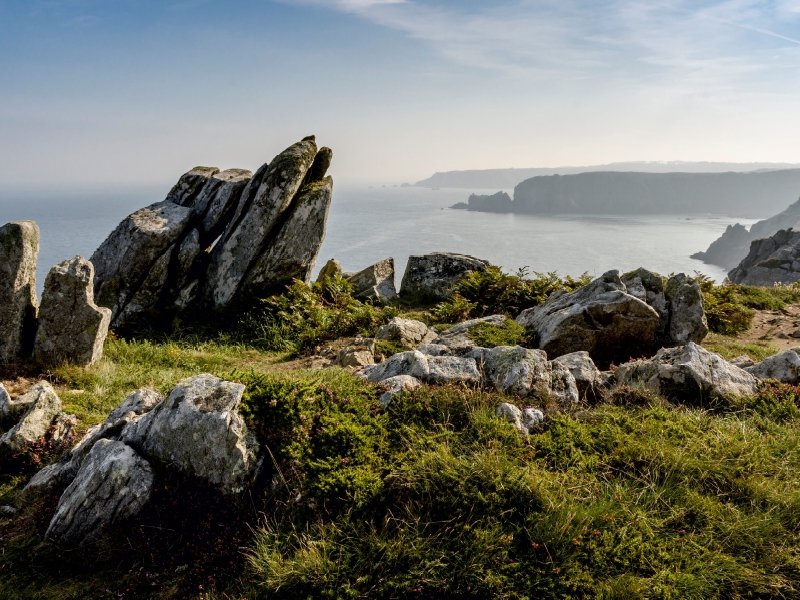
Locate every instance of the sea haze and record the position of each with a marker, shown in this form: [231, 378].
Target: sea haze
[366, 225]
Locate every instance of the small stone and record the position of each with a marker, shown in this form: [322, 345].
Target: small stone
[525, 421]
[785, 367]
[331, 270]
[358, 354]
[795, 333]
[584, 371]
[397, 385]
[376, 281]
[7, 511]
[402, 363]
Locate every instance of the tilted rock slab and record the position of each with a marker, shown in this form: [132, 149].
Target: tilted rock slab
[409, 333]
[457, 337]
[199, 430]
[431, 277]
[19, 251]
[689, 374]
[44, 406]
[189, 185]
[112, 485]
[687, 318]
[785, 367]
[72, 328]
[376, 281]
[600, 318]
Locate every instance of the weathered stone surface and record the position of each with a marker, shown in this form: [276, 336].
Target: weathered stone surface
[376, 281]
[331, 270]
[583, 369]
[408, 332]
[443, 369]
[19, 251]
[430, 277]
[457, 337]
[13, 409]
[688, 373]
[189, 185]
[217, 202]
[785, 367]
[72, 328]
[525, 421]
[600, 318]
[397, 385]
[358, 354]
[434, 350]
[649, 287]
[112, 485]
[199, 430]
[293, 252]
[523, 372]
[63, 427]
[126, 257]
[687, 321]
[64, 470]
[771, 260]
[7, 511]
[234, 255]
[402, 363]
[44, 406]
[742, 361]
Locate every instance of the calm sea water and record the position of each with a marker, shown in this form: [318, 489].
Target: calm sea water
[366, 225]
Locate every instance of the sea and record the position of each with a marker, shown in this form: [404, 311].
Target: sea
[367, 224]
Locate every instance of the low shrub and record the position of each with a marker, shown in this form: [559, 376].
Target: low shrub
[507, 334]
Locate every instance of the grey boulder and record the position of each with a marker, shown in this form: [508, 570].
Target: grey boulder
[44, 406]
[431, 277]
[649, 287]
[199, 430]
[112, 485]
[600, 318]
[409, 333]
[525, 421]
[397, 385]
[687, 320]
[19, 251]
[785, 367]
[689, 374]
[742, 361]
[11, 408]
[439, 369]
[376, 281]
[402, 363]
[72, 328]
[331, 270]
[458, 337]
[358, 354]
[583, 369]
[190, 185]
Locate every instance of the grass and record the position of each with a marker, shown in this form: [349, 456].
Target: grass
[729, 347]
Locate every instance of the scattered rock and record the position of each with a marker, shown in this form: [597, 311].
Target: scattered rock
[331, 270]
[689, 374]
[13, 409]
[795, 333]
[443, 369]
[199, 430]
[358, 354]
[63, 427]
[434, 350]
[408, 332]
[525, 421]
[430, 277]
[44, 406]
[19, 251]
[7, 511]
[376, 281]
[583, 369]
[402, 363]
[600, 318]
[457, 337]
[742, 361]
[687, 320]
[397, 385]
[72, 328]
[785, 367]
[112, 485]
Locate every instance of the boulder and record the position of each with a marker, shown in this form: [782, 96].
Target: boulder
[785, 367]
[402, 363]
[457, 337]
[397, 385]
[771, 260]
[525, 421]
[600, 318]
[742, 362]
[649, 287]
[358, 354]
[217, 202]
[331, 270]
[689, 374]
[199, 430]
[72, 328]
[44, 406]
[189, 185]
[64, 470]
[245, 240]
[434, 350]
[444, 369]
[19, 251]
[409, 333]
[687, 319]
[13, 409]
[112, 485]
[291, 254]
[583, 369]
[523, 372]
[431, 277]
[376, 281]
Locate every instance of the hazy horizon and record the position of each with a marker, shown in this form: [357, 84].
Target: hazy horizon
[120, 92]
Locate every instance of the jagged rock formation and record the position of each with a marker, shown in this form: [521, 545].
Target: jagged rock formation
[19, 251]
[376, 281]
[733, 245]
[496, 203]
[218, 237]
[771, 260]
[71, 326]
[430, 277]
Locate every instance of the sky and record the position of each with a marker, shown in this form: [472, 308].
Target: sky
[139, 91]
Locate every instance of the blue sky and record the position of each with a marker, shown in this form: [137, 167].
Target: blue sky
[120, 91]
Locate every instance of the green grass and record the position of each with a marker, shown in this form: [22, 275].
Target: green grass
[509, 333]
[729, 347]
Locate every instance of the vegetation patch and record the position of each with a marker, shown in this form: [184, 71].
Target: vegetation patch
[509, 333]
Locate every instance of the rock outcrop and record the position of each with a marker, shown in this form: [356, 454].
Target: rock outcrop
[689, 374]
[199, 430]
[458, 339]
[785, 367]
[13, 409]
[376, 281]
[331, 270]
[19, 251]
[600, 318]
[687, 320]
[218, 237]
[649, 287]
[71, 328]
[44, 407]
[112, 485]
[430, 277]
[409, 333]
[587, 375]
[771, 260]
